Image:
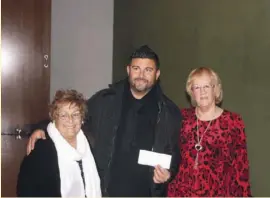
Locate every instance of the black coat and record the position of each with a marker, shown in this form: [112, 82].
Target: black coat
[103, 119]
[39, 172]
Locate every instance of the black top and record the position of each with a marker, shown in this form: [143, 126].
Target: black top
[136, 131]
[82, 174]
[39, 172]
[102, 125]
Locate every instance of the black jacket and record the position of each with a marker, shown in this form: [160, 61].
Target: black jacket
[39, 172]
[104, 113]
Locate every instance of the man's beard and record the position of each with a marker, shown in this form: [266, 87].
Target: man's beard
[141, 85]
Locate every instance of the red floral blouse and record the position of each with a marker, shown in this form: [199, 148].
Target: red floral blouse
[223, 167]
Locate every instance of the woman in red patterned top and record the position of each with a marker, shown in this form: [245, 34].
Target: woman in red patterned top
[212, 143]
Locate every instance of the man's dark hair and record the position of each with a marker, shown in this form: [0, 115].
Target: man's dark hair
[145, 52]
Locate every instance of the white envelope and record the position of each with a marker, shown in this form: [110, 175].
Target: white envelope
[151, 158]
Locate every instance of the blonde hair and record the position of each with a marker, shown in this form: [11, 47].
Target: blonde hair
[214, 78]
[68, 96]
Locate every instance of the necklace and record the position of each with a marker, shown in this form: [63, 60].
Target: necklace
[198, 146]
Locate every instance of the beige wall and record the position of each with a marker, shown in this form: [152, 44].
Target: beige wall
[231, 36]
[81, 45]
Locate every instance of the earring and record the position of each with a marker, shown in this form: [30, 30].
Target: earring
[82, 122]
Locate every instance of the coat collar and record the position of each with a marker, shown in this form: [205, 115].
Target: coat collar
[118, 88]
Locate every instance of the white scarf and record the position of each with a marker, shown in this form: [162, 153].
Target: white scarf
[70, 173]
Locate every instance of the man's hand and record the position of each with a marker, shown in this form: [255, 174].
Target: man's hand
[37, 134]
[161, 175]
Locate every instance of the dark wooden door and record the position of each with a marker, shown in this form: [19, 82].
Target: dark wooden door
[25, 79]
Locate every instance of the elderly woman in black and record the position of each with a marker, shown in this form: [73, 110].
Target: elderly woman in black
[62, 165]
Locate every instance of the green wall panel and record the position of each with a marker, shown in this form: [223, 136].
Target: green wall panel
[231, 36]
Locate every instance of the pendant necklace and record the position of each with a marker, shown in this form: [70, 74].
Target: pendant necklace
[198, 146]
